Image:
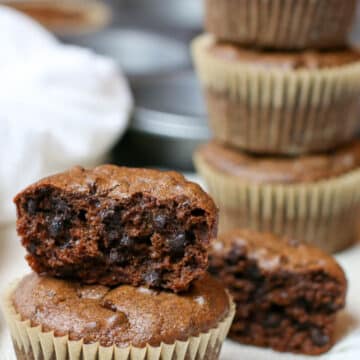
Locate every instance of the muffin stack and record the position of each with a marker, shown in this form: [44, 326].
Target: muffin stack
[282, 89]
[119, 258]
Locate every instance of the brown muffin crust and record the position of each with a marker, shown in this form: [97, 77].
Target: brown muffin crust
[281, 24]
[307, 59]
[287, 293]
[275, 253]
[115, 225]
[123, 315]
[282, 170]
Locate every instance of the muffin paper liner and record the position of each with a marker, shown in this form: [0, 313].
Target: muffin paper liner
[324, 213]
[274, 110]
[281, 24]
[46, 346]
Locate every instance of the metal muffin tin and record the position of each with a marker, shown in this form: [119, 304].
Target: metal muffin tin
[168, 124]
[185, 14]
[138, 52]
[169, 119]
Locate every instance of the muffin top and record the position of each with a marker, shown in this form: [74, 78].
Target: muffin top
[123, 182]
[123, 315]
[281, 170]
[273, 253]
[308, 59]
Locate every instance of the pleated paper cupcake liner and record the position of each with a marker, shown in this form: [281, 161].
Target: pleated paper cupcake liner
[281, 24]
[278, 111]
[32, 343]
[324, 214]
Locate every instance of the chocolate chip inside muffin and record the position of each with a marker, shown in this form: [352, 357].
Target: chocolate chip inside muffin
[114, 225]
[287, 294]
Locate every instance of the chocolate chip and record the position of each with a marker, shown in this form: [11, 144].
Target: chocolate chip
[113, 256]
[32, 247]
[160, 221]
[198, 212]
[56, 226]
[176, 244]
[66, 244]
[113, 235]
[94, 202]
[107, 214]
[153, 278]
[332, 306]
[108, 304]
[272, 320]
[92, 187]
[252, 271]
[127, 241]
[62, 207]
[318, 337]
[31, 206]
[82, 215]
[235, 255]
[116, 257]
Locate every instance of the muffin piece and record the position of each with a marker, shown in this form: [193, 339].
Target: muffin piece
[114, 225]
[279, 102]
[308, 198]
[287, 294]
[283, 24]
[121, 319]
[67, 17]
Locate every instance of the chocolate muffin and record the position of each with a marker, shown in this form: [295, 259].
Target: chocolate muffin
[65, 17]
[284, 24]
[114, 225]
[308, 198]
[102, 322]
[279, 102]
[287, 294]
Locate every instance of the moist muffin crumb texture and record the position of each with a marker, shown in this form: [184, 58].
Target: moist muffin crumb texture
[114, 225]
[287, 295]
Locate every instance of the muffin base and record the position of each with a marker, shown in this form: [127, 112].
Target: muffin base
[279, 24]
[281, 130]
[323, 233]
[31, 343]
[210, 354]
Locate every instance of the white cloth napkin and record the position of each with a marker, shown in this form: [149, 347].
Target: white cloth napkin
[59, 106]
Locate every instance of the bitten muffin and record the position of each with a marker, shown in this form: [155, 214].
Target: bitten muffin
[287, 294]
[59, 319]
[115, 225]
[308, 198]
[279, 102]
[284, 24]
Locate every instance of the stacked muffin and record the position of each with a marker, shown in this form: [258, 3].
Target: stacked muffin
[282, 89]
[119, 258]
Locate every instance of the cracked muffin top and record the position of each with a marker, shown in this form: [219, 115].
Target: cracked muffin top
[115, 225]
[122, 182]
[123, 315]
[274, 253]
